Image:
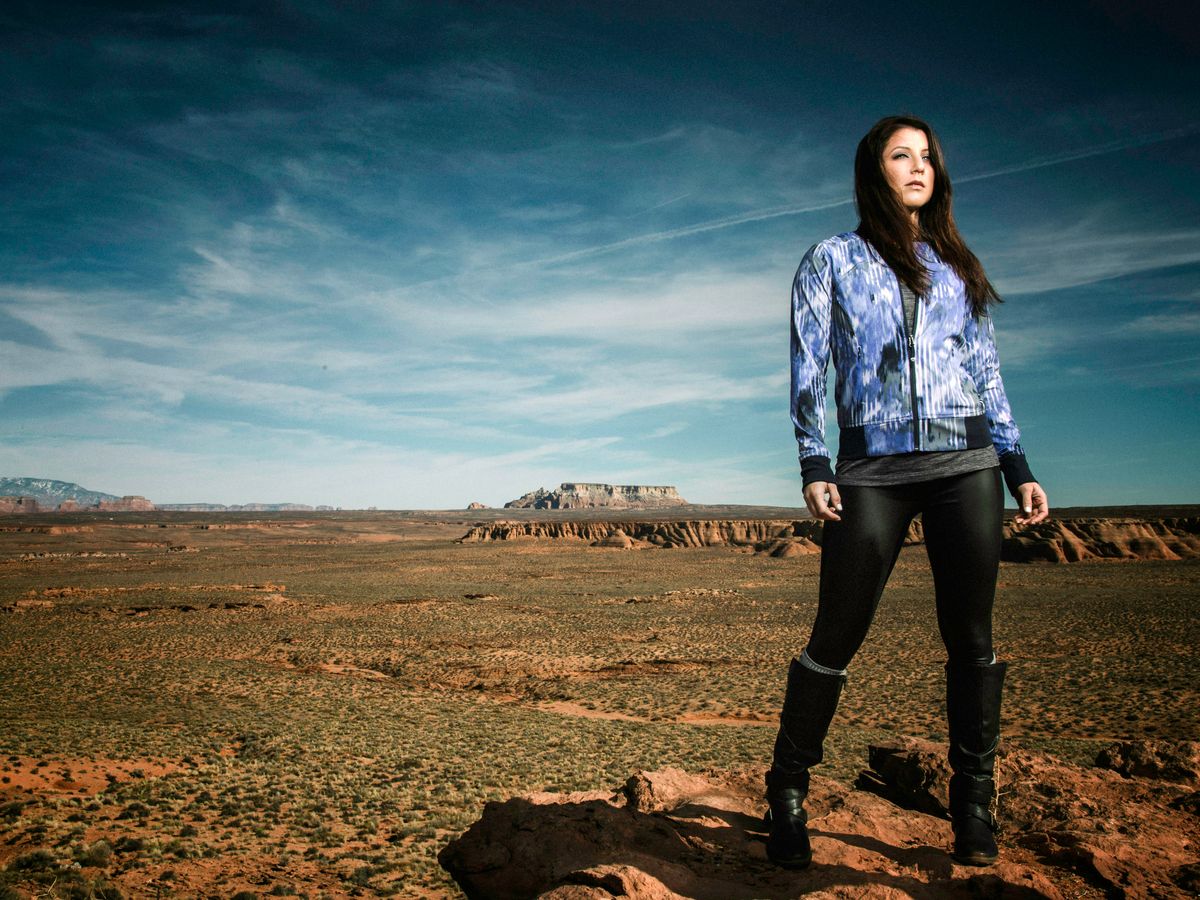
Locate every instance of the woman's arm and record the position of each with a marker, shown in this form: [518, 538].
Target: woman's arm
[984, 365]
[811, 293]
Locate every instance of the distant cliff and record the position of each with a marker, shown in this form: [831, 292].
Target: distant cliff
[582, 495]
[30, 495]
[49, 494]
[34, 495]
[241, 507]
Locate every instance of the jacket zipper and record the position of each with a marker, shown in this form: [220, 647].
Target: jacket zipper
[912, 360]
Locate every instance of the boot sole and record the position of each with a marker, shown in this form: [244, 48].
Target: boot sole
[794, 864]
[787, 862]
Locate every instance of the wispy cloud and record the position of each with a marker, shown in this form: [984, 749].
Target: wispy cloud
[1040, 261]
[1168, 324]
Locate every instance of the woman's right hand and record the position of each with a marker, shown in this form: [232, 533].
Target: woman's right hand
[822, 499]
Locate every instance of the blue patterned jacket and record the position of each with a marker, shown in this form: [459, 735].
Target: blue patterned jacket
[937, 389]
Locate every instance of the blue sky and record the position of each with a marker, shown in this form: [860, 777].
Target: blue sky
[415, 255]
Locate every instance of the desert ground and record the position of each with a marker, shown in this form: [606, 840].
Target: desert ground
[314, 705]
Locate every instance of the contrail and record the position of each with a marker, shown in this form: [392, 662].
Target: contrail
[775, 212]
[757, 215]
[642, 212]
[1099, 150]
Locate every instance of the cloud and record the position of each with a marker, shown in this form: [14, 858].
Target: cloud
[1038, 261]
[665, 311]
[1176, 324]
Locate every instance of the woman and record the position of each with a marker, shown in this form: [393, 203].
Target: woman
[924, 427]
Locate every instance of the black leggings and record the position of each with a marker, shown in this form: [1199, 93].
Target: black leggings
[961, 515]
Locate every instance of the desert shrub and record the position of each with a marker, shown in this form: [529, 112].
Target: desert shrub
[98, 854]
[100, 889]
[361, 876]
[126, 844]
[245, 895]
[33, 861]
[12, 810]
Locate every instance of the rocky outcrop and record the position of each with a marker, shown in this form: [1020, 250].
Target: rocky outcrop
[583, 495]
[1074, 540]
[129, 503]
[475, 504]
[1069, 540]
[1177, 761]
[763, 535]
[668, 834]
[46, 495]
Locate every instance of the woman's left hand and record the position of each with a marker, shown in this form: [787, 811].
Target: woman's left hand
[1034, 505]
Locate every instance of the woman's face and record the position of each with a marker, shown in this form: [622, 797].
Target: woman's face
[907, 167]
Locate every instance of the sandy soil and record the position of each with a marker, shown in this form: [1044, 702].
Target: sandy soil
[318, 704]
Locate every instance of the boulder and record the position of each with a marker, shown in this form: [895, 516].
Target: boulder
[1177, 761]
[616, 539]
[671, 833]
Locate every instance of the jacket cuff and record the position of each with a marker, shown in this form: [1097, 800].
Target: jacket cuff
[1016, 470]
[815, 468]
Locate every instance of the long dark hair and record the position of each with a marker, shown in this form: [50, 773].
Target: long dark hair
[886, 224]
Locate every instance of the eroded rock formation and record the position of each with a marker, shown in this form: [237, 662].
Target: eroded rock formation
[1058, 540]
[31, 504]
[669, 834]
[1073, 540]
[129, 503]
[701, 533]
[583, 495]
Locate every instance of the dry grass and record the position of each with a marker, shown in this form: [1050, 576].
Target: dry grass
[315, 705]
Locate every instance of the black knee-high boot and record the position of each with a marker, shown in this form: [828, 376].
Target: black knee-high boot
[973, 709]
[808, 707]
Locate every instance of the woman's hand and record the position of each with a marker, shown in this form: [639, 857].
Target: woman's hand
[1034, 505]
[822, 498]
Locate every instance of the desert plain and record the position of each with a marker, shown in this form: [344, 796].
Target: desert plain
[317, 704]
